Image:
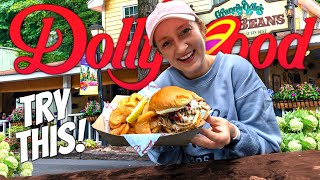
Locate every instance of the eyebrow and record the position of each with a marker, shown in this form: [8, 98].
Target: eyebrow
[180, 27]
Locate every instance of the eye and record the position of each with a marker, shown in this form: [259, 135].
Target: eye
[165, 44]
[185, 31]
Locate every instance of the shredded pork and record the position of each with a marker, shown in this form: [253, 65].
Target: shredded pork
[181, 120]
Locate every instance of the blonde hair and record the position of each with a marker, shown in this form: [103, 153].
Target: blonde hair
[201, 25]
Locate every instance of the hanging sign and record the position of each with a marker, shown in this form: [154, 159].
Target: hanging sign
[88, 79]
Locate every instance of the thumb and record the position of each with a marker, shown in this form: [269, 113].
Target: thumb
[212, 120]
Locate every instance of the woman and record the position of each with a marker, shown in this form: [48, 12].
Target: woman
[243, 122]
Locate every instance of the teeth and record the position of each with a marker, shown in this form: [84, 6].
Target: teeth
[186, 56]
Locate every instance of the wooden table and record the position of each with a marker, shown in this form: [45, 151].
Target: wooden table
[297, 165]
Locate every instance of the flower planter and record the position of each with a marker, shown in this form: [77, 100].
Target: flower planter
[17, 124]
[296, 104]
[92, 119]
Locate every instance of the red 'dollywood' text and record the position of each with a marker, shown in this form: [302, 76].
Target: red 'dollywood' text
[115, 54]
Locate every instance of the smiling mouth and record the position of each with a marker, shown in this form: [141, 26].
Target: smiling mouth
[186, 57]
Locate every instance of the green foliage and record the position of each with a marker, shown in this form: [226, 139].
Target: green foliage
[4, 145]
[17, 115]
[62, 143]
[92, 108]
[27, 166]
[308, 143]
[299, 92]
[14, 144]
[286, 92]
[295, 124]
[294, 145]
[10, 163]
[300, 130]
[32, 25]
[26, 172]
[89, 143]
[15, 129]
[2, 136]
[4, 168]
[307, 91]
[3, 154]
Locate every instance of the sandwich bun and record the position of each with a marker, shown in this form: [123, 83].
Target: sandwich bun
[179, 109]
[170, 98]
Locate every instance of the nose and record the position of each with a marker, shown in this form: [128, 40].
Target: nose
[181, 47]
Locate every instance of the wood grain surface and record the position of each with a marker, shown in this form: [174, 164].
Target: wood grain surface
[296, 165]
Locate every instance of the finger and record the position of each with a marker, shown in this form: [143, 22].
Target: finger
[221, 137]
[213, 136]
[217, 123]
[204, 142]
[213, 120]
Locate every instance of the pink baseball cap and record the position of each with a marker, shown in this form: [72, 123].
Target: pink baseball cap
[167, 10]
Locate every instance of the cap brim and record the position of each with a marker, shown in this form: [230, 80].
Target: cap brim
[180, 16]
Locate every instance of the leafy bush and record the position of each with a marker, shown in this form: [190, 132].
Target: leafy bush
[10, 163]
[14, 142]
[92, 108]
[299, 92]
[17, 115]
[62, 143]
[88, 143]
[307, 91]
[15, 129]
[300, 130]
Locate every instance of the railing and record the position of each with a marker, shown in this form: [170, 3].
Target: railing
[293, 105]
[90, 133]
[4, 126]
[8, 55]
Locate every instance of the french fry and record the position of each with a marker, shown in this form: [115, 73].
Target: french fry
[135, 97]
[119, 115]
[118, 130]
[131, 131]
[114, 126]
[123, 102]
[131, 103]
[126, 129]
[142, 127]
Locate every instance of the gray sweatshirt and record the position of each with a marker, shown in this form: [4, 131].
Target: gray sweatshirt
[235, 92]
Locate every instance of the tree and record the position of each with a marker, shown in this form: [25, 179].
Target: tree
[145, 7]
[8, 9]
[33, 24]
[87, 16]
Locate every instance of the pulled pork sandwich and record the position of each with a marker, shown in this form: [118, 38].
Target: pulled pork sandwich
[179, 109]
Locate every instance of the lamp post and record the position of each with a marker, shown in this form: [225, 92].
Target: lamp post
[290, 12]
[98, 29]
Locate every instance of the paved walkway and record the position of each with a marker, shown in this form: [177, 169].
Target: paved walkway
[58, 166]
[106, 153]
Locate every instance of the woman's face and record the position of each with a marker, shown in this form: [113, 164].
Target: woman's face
[183, 45]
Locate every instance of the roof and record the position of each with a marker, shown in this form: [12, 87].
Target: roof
[13, 71]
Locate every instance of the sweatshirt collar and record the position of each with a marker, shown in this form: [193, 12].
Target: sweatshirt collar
[202, 80]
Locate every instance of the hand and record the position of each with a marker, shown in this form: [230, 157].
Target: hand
[217, 136]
